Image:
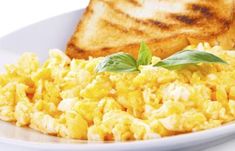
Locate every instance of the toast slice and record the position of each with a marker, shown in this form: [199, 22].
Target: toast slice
[110, 26]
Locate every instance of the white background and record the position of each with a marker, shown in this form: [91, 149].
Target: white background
[15, 14]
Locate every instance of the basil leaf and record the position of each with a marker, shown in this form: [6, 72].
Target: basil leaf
[145, 55]
[119, 62]
[187, 57]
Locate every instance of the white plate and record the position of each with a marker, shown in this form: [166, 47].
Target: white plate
[54, 33]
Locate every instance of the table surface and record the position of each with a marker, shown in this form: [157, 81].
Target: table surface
[16, 14]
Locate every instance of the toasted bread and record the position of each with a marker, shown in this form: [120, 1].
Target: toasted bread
[110, 26]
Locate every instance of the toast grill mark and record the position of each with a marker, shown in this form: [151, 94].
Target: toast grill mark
[135, 3]
[185, 19]
[209, 13]
[159, 24]
[203, 10]
[116, 26]
[123, 29]
[150, 22]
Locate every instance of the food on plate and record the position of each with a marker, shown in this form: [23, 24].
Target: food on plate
[110, 26]
[74, 98]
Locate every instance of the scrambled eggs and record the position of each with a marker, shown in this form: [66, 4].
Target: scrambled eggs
[68, 98]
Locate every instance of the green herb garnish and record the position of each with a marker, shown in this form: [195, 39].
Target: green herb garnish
[119, 62]
[123, 62]
[188, 57]
[145, 55]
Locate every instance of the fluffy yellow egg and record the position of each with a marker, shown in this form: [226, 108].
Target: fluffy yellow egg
[68, 98]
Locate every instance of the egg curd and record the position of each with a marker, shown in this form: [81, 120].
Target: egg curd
[68, 98]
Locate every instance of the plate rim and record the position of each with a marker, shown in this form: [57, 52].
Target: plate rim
[179, 140]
